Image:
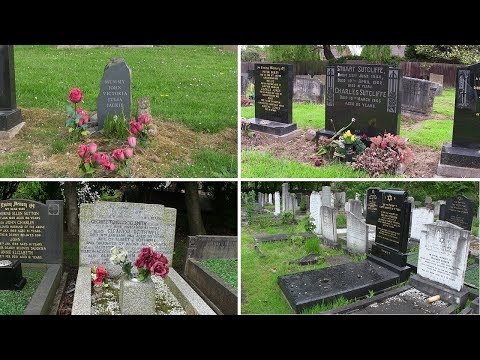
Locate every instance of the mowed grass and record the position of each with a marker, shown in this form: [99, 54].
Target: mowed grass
[15, 302]
[207, 163]
[195, 85]
[264, 165]
[431, 133]
[227, 269]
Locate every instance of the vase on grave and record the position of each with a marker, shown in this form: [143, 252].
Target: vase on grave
[348, 153]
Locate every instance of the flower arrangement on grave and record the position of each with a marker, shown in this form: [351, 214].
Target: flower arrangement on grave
[245, 102]
[99, 274]
[77, 118]
[250, 92]
[120, 257]
[139, 128]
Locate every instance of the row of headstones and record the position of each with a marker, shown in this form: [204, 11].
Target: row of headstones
[417, 94]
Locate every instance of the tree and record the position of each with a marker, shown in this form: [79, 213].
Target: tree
[288, 53]
[71, 206]
[252, 53]
[8, 188]
[377, 53]
[463, 54]
[194, 214]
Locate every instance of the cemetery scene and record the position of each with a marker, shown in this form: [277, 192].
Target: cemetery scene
[118, 248]
[379, 247]
[118, 111]
[324, 111]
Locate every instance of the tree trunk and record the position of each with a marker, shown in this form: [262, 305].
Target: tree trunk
[327, 52]
[70, 191]
[192, 202]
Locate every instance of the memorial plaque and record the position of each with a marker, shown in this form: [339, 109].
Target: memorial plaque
[443, 254]
[466, 121]
[31, 232]
[115, 97]
[393, 222]
[459, 211]
[372, 205]
[131, 226]
[369, 93]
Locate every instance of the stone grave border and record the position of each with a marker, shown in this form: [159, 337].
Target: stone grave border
[43, 297]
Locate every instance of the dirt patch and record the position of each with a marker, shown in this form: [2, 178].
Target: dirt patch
[173, 145]
[66, 303]
[424, 164]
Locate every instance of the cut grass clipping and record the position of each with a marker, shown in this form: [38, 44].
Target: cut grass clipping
[224, 268]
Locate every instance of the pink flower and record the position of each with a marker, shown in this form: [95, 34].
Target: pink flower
[95, 157]
[98, 280]
[135, 127]
[100, 271]
[145, 258]
[109, 166]
[318, 162]
[75, 95]
[92, 147]
[144, 119]
[160, 258]
[159, 268]
[102, 159]
[118, 155]
[87, 159]
[383, 144]
[132, 141]
[82, 150]
[128, 152]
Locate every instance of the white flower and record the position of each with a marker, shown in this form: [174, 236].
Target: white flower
[119, 256]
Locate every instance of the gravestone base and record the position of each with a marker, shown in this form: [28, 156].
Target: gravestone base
[474, 305]
[10, 119]
[10, 134]
[271, 127]
[433, 288]
[11, 277]
[351, 280]
[458, 161]
[388, 254]
[324, 132]
[402, 271]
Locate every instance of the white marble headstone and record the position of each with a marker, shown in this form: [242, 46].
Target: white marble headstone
[329, 224]
[327, 196]
[315, 204]
[420, 217]
[357, 234]
[277, 203]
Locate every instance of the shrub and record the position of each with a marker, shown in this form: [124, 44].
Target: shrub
[287, 218]
[312, 246]
[296, 240]
[303, 204]
[377, 161]
[308, 225]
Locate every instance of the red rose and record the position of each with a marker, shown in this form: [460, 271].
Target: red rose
[109, 166]
[144, 119]
[128, 152]
[102, 158]
[160, 269]
[75, 95]
[135, 127]
[145, 257]
[118, 154]
[101, 272]
[160, 258]
[82, 150]
[318, 162]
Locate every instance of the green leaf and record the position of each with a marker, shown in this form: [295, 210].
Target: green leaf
[70, 129]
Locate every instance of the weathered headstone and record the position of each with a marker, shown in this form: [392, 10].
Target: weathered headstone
[357, 234]
[277, 203]
[273, 99]
[326, 196]
[459, 211]
[420, 218]
[372, 199]
[368, 93]
[308, 89]
[292, 204]
[115, 97]
[10, 116]
[131, 226]
[418, 96]
[31, 232]
[355, 207]
[437, 206]
[270, 198]
[322, 78]
[339, 199]
[461, 158]
[315, 204]
[442, 262]
[428, 202]
[437, 78]
[328, 217]
[285, 196]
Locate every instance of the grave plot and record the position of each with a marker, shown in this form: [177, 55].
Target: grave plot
[131, 112]
[362, 103]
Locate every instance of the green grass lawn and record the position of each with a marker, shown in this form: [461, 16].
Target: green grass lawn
[227, 269]
[15, 302]
[196, 85]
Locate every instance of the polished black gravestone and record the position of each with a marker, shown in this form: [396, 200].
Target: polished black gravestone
[458, 210]
[10, 116]
[115, 97]
[461, 158]
[369, 93]
[31, 232]
[372, 205]
[273, 99]
[11, 277]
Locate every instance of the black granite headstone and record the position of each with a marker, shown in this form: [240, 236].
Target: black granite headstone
[31, 232]
[10, 116]
[441, 214]
[369, 93]
[459, 211]
[115, 95]
[11, 277]
[273, 99]
[372, 205]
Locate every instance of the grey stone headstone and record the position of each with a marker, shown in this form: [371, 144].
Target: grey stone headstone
[31, 232]
[322, 78]
[437, 78]
[329, 224]
[356, 208]
[285, 197]
[131, 226]
[420, 218]
[259, 198]
[244, 83]
[437, 205]
[115, 95]
[339, 200]
[357, 234]
[277, 203]
[418, 96]
[292, 204]
[308, 89]
[270, 198]
[444, 253]
[326, 196]
[315, 204]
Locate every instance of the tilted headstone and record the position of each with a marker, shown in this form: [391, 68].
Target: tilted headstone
[273, 99]
[115, 97]
[328, 217]
[368, 93]
[459, 211]
[356, 207]
[277, 203]
[418, 96]
[339, 199]
[131, 226]
[31, 232]
[437, 78]
[357, 234]
[10, 116]
[308, 89]
[315, 204]
[372, 199]
[420, 218]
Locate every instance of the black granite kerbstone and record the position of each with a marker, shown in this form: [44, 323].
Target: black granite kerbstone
[460, 156]
[271, 127]
[10, 116]
[351, 280]
[459, 211]
[369, 93]
[11, 277]
[373, 199]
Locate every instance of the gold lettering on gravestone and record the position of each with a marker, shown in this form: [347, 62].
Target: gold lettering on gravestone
[270, 88]
[19, 225]
[388, 224]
